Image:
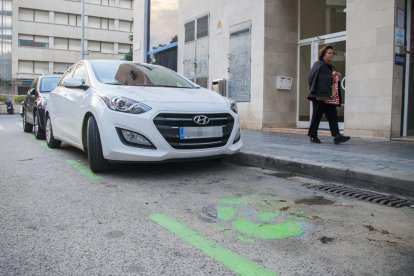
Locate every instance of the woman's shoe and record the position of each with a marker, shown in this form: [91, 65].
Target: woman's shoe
[341, 139]
[315, 140]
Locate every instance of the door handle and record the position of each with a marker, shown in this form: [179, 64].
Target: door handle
[343, 83]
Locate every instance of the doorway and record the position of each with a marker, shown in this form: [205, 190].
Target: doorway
[308, 54]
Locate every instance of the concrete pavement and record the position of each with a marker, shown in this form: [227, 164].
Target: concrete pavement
[385, 166]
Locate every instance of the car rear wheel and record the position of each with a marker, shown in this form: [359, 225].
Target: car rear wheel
[39, 132]
[97, 162]
[50, 139]
[26, 126]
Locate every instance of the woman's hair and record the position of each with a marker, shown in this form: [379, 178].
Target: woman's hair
[323, 51]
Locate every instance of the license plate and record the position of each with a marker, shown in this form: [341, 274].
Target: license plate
[201, 132]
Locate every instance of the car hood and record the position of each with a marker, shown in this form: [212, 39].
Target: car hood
[166, 94]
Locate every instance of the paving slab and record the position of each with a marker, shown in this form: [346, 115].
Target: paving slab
[386, 166]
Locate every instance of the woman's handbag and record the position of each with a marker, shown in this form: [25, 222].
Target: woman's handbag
[334, 90]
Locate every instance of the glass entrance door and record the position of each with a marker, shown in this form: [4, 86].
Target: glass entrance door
[308, 54]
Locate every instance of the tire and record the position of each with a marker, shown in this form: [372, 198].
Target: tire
[40, 133]
[50, 139]
[26, 126]
[97, 162]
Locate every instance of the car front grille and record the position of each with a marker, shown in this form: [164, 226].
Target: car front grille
[169, 124]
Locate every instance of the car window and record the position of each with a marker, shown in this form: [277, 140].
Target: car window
[48, 84]
[67, 75]
[81, 73]
[135, 74]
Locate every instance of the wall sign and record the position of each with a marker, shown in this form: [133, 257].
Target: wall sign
[399, 59]
[399, 36]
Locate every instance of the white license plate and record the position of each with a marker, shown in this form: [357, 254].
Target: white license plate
[201, 132]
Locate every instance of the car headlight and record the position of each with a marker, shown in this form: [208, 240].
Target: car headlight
[125, 105]
[233, 106]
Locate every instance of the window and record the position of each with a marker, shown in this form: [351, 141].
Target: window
[26, 14]
[75, 20]
[202, 26]
[123, 48]
[61, 43]
[97, 2]
[25, 66]
[61, 18]
[124, 25]
[94, 46]
[41, 67]
[34, 41]
[41, 16]
[111, 24]
[74, 44]
[127, 4]
[41, 41]
[94, 22]
[81, 73]
[104, 23]
[104, 2]
[107, 47]
[189, 31]
[60, 67]
[25, 40]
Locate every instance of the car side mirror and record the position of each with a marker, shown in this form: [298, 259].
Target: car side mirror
[32, 91]
[74, 83]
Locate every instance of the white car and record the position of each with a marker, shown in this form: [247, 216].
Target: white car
[126, 111]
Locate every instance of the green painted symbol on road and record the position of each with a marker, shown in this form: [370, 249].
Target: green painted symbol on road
[257, 216]
[84, 170]
[228, 258]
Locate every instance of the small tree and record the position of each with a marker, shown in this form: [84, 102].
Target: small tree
[128, 56]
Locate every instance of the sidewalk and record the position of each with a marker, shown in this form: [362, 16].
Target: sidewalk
[386, 166]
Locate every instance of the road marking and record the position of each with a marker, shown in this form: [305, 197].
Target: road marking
[1, 127]
[228, 258]
[84, 170]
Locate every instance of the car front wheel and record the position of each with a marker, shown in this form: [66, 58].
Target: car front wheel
[97, 162]
[39, 132]
[50, 139]
[26, 126]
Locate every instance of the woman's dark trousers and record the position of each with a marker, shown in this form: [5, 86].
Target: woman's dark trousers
[320, 108]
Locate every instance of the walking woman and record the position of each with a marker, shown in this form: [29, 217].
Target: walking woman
[324, 93]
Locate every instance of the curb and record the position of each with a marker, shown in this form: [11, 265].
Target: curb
[353, 177]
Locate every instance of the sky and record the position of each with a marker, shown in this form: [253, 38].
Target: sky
[164, 21]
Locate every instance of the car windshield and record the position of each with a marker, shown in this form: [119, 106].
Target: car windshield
[48, 84]
[135, 74]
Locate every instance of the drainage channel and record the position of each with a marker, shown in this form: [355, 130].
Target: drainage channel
[373, 197]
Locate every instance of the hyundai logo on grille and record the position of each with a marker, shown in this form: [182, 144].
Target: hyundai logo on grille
[201, 119]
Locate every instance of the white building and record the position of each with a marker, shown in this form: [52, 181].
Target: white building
[46, 35]
[252, 43]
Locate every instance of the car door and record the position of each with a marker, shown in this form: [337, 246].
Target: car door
[30, 101]
[57, 106]
[74, 104]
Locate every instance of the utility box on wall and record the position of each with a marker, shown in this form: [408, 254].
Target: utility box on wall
[283, 83]
[220, 86]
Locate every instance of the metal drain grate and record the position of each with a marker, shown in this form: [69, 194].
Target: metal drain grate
[378, 198]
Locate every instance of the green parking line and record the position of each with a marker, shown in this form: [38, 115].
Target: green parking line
[228, 258]
[83, 169]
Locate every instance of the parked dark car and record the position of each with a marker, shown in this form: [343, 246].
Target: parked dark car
[34, 105]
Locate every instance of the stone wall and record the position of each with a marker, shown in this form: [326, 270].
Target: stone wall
[370, 69]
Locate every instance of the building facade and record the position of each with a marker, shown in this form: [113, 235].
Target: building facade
[264, 50]
[44, 37]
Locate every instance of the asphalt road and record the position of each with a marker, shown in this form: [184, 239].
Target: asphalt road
[198, 218]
